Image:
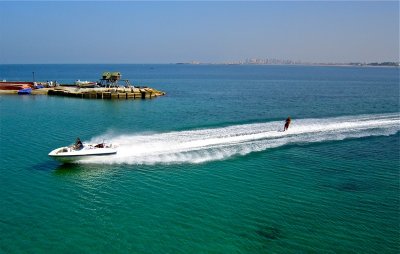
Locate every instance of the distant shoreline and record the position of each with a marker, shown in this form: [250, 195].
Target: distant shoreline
[396, 65]
[300, 64]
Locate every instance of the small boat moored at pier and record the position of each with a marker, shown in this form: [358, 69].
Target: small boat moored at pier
[72, 154]
[25, 91]
[85, 84]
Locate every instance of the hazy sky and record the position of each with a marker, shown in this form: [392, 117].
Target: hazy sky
[169, 32]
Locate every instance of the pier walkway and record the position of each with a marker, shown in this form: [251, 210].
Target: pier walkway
[96, 93]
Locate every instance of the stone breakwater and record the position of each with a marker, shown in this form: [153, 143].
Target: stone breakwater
[97, 93]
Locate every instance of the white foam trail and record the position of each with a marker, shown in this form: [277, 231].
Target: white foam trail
[196, 146]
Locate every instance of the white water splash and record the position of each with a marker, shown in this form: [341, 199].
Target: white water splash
[196, 146]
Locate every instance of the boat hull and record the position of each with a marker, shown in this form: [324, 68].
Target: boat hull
[68, 155]
[25, 91]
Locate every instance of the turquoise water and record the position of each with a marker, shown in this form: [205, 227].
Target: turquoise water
[204, 169]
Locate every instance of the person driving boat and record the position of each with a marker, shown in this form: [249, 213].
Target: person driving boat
[78, 144]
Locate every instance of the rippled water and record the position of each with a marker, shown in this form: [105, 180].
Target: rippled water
[206, 168]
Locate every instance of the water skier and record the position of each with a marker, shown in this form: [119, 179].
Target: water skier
[287, 123]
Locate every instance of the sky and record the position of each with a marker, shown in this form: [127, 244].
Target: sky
[171, 32]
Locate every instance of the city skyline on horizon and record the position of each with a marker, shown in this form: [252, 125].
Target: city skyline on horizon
[207, 32]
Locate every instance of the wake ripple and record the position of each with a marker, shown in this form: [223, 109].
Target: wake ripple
[197, 146]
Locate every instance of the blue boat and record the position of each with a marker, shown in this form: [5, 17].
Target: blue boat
[25, 91]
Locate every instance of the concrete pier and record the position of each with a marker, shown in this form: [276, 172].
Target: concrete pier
[120, 93]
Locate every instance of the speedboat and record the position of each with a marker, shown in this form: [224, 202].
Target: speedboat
[72, 154]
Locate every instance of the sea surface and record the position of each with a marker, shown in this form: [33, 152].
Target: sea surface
[206, 168]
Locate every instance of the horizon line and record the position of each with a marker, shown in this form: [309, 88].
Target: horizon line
[216, 63]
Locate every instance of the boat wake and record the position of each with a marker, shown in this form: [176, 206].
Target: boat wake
[197, 146]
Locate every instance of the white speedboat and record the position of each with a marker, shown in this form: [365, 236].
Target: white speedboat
[72, 154]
